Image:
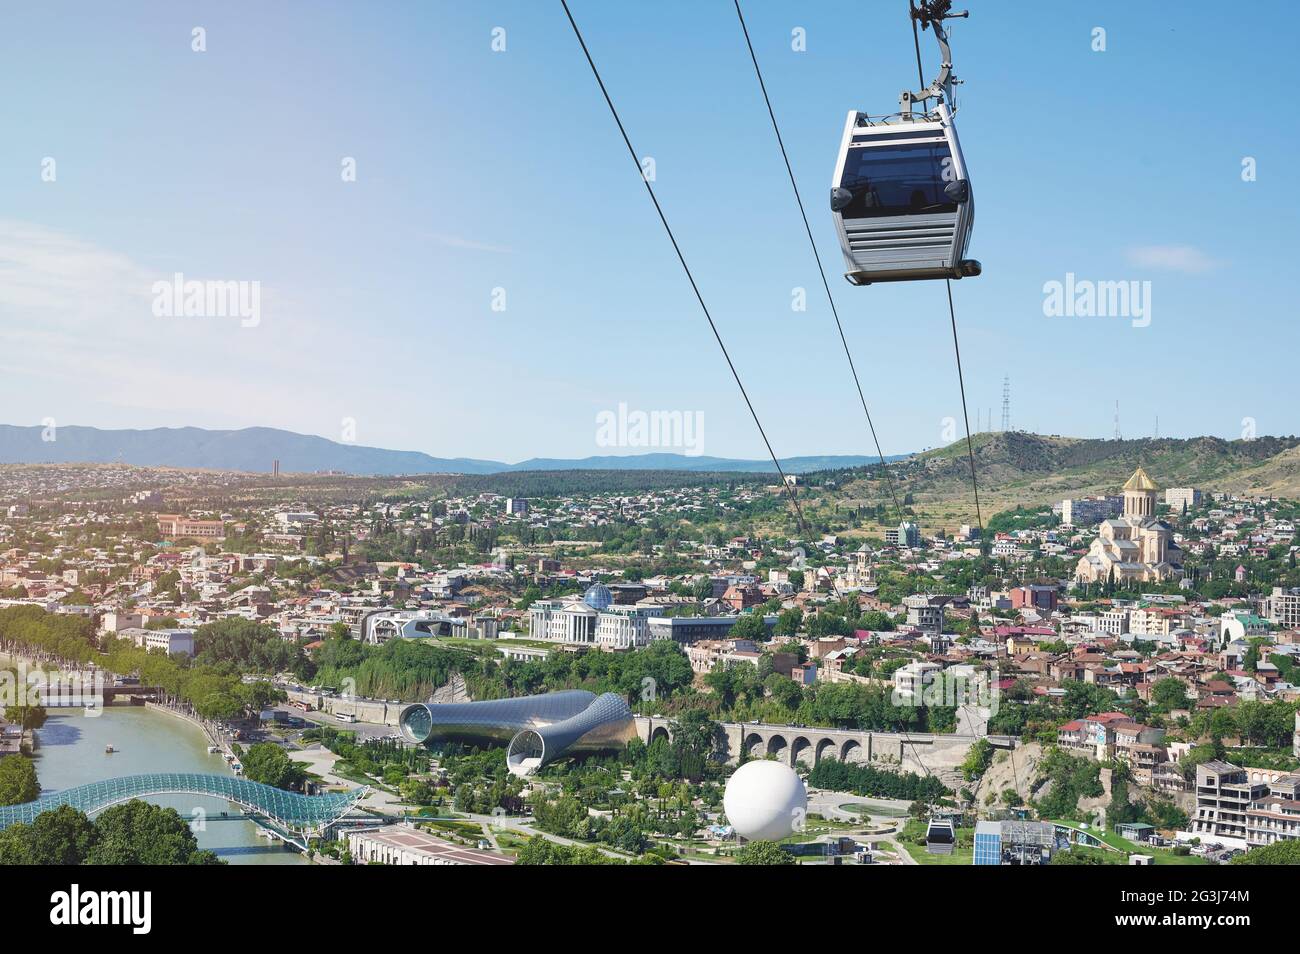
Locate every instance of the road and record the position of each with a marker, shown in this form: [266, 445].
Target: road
[363, 730]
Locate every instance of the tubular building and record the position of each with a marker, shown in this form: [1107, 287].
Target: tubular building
[537, 729]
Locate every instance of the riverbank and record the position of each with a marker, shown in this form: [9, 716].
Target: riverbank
[73, 751]
[209, 730]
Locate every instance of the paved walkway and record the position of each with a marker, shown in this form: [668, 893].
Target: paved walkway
[320, 761]
[828, 805]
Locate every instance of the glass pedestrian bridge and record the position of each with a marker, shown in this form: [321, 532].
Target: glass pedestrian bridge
[296, 817]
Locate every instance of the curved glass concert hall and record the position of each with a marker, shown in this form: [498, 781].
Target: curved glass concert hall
[537, 729]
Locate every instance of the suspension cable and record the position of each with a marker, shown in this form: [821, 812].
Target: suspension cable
[916, 41]
[785, 483]
[970, 447]
[776, 128]
[952, 314]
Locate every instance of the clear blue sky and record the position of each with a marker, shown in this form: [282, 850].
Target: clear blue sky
[479, 170]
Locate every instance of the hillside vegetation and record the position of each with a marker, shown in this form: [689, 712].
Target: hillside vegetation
[1019, 469]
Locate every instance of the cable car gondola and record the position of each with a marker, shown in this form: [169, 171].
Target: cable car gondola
[902, 197]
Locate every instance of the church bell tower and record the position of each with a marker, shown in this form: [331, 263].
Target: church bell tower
[1140, 497]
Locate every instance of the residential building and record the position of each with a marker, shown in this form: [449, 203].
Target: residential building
[1108, 735]
[740, 598]
[176, 527]
[1090, 511]
[1283, 607]
[706, 654]
[1141, 747]
[1114, 622]
[910, 681]
[1224, 793]
[114, 621]
[1153, 622]
[907, 534]
[1034, 596]
[1276, 816]
[1241, 626]
[170, 641]
[1180, 498]
[926, 612]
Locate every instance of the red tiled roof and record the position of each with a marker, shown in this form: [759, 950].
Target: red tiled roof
[1106, 717]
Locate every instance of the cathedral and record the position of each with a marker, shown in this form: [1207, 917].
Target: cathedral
[1135, 547]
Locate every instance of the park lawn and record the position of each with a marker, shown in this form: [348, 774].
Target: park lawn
[959, 856]
[465, 829]
[1162, 856]
[510, 842]
[820, 827]
[881, 811]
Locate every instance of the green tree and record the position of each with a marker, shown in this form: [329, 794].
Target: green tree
[1278, 853]
[269, 764]
[417, 791]
[788, 623]
[763, 853]
[749, 626]
[138, 833]
[697, 740]
[977, 760]
[63, 836]
[27, 716]
[18, 782]
[1169, 693]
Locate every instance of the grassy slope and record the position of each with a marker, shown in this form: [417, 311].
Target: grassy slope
[1032, 470]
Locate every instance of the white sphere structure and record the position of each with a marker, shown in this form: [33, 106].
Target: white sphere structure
[764, 800]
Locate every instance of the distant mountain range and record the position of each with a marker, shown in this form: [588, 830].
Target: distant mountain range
[254, 449]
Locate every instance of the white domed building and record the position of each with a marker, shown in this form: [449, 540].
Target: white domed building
[593, 619]
[764, 801]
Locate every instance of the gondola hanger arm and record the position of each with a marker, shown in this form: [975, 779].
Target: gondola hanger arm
[930, 14]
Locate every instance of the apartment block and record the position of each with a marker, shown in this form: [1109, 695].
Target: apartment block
[1283, 607]
[1276, 817]
[1224, 795]
[178, 527]
[1178, 497]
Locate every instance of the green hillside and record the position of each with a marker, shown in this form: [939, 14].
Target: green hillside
[1031, 470]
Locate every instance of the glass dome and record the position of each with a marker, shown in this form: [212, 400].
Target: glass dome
[598, 596]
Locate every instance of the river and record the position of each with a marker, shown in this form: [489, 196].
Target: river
[71, 751]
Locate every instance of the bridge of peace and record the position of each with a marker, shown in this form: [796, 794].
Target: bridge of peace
[295, 818]
[921, 753]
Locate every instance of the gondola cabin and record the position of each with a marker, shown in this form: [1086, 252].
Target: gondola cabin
[902, 200]
[940, 836]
